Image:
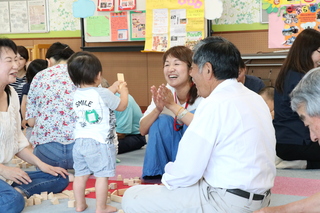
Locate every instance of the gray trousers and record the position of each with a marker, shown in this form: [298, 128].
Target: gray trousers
[198, 198]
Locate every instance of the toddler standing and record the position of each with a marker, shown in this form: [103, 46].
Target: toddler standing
[94, 151]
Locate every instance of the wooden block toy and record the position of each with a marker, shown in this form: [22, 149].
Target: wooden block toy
[61, 196]
[30, 201]
[130, 182]
[71, 203]
[108, 199]
[113, 185]
[71, 177]
[115, 192]
[37, 201]
[55, 201]
[137, 182]
[125, 181]
[50, 195]
[86, 192]
[44, 195]
[119, 178]
[67, 192]
[120, 211]
[121, 191]
[93, 189]
[116, 198]
[15, 161]
[37, 196]
[24, 165]
[120, 76]
[71, 197]
[109, 194]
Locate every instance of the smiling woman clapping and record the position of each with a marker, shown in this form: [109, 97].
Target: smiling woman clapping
[170, 112]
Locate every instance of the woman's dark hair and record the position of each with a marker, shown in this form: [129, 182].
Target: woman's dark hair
[34, 67]
[184, 54]
[59, 51]
[6, 43]
[23, 52]
[83, 68]
[299, 57]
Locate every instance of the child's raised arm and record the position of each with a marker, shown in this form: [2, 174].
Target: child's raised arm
[123, 90]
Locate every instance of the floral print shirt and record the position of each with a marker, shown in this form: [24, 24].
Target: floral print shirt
[50, 102]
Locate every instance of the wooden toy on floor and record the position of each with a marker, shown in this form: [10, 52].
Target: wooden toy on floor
[119, 178]
[55, 201]
[71, 203]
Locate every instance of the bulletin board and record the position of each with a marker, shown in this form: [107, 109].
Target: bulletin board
[24, 16]
[174, 22]
[118, 24]
[288, 18]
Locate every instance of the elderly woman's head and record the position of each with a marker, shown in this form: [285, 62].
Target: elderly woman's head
[8, 62]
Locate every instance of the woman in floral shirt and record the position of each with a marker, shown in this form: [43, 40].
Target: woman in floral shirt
[49, 109]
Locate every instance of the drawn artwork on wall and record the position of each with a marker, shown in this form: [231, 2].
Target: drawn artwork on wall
[288, 18]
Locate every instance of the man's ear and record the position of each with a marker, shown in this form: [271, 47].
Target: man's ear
[208, 71]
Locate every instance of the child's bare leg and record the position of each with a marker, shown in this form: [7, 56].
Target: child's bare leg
[79, 186]
[102, 195]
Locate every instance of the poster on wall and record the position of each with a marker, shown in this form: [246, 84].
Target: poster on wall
[24, 16]
[119, 26]
[288, 18]
[98, 26]
[105, 5]
[127, 5]
[173, 22]
[37, 14]
[4, 17]
[137, 25]
[18, 16]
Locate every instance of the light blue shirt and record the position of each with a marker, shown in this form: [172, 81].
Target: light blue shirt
[128, 120]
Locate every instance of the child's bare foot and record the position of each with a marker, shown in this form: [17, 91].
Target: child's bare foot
[81, 207]
[108, 209]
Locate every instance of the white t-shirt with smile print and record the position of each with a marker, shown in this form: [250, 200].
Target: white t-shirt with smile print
[94, 112]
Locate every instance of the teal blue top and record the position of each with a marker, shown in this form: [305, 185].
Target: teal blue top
[128, 120]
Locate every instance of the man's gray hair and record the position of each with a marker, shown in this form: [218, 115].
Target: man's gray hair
[307, 93]
[208, 40]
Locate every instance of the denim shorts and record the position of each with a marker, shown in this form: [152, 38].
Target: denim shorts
[93, 157]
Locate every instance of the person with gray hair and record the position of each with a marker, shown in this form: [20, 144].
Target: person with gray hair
[207, 40]
[305, 100]
[225, 159]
